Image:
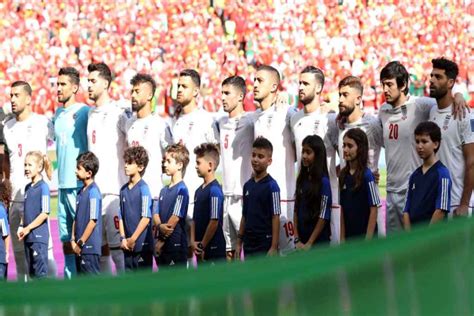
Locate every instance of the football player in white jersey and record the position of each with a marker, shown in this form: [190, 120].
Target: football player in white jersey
[456, 151]
[25, 132]
[192, 127]
[315, 119]
[273, 123]
[352, 116]
[148, 130]
[400, 115]
[236, 138]
[106, 138]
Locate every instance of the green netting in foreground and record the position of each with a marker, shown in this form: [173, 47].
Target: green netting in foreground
[426, 272]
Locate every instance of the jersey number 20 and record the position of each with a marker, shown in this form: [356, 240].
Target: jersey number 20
[393, 134]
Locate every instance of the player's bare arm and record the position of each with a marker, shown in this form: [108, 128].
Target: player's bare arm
[23, 232]
[144, 221]
[406, 221]
[240, 239]
[438, 216]
[468, 186]
[372, 223]
[275, 235]
[315, 234]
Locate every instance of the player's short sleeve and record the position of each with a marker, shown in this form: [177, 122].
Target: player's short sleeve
[332, 134]
[326, 199]
[4, 222]
[425, 104]
[372, 189]
[45, 199]
[95, 204]
[408, 196]
[217, 203]
[122, 123]
[212, 135]
[467, 129]
[443, 196]
[181, 204]
[146, 200]
[275, 201]
[166, 137]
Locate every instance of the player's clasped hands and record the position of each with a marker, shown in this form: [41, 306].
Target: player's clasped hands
[75, 248]
[22, 232]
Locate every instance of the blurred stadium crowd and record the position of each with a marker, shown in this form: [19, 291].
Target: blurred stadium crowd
[223, 37]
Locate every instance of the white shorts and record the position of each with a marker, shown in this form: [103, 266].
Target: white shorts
[231, 222]
[287, 228]
[110, 220]
[335, 224]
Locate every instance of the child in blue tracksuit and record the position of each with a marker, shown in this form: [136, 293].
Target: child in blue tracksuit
[5, 195]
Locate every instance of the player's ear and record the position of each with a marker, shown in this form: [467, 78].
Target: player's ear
[140, 168]
[75, 88]
[451, 83]
[195, 92]
[274, 87]
[359, 100]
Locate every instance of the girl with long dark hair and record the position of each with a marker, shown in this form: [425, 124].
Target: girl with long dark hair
[313, 195]
[359, 196]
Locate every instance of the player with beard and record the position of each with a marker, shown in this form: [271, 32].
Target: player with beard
[106, 136]
[314, 119]
[25, 132]
[70, 129]
[149, 131]
[456, 151]
[400, 115]
[351, 116]
[236, 138]
[273, 123]
[192, 127]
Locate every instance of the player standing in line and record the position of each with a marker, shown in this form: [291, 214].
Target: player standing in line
[400, 115]
[314, 119]
[313, 195]
[273, 123]
[25, 132]
[207, 236]
[191, 128]
[429, 187]
[456, 151]
[135, 212]
[70, 128]
[359, 193]
[351, 116]
[235, 138]
[5, 197]
[87, 227]
[106, 138]
[169, 217]
[260, 224]
[149, 131]
[34, 227]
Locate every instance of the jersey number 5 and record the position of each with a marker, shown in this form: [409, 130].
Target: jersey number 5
[226, 141]
[93, 137]
[20, 150]
[116, 222]
[393, 134]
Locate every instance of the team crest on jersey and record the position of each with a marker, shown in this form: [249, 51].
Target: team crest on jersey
[145, 130]
[446, 122]
[404, 112]
[316, 126]
[269, 121]
[191, 124]
[28, 129]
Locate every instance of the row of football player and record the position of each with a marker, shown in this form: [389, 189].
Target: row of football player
[106, 130]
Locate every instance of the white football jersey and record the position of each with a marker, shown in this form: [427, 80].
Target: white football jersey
[106, 132]
[274, 125]
[22, 137]
[192, 130]
[154, 134]
[399, 139]
[235, 139]
[372, 127]
[316, 123]
[455, 133]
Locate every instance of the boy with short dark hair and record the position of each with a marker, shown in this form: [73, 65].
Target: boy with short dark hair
[429, 187]
[169, 217]
[135, 212]
[207, 236]
[260, 224]
[87, 226]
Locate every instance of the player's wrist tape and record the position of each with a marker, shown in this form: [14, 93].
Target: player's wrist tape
[20, 226]
[122, 238]
[80, 243]
[200, 246]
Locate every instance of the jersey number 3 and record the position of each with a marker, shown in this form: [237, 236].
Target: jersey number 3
[393, 134]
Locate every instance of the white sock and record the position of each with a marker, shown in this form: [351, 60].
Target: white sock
[118, 259]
